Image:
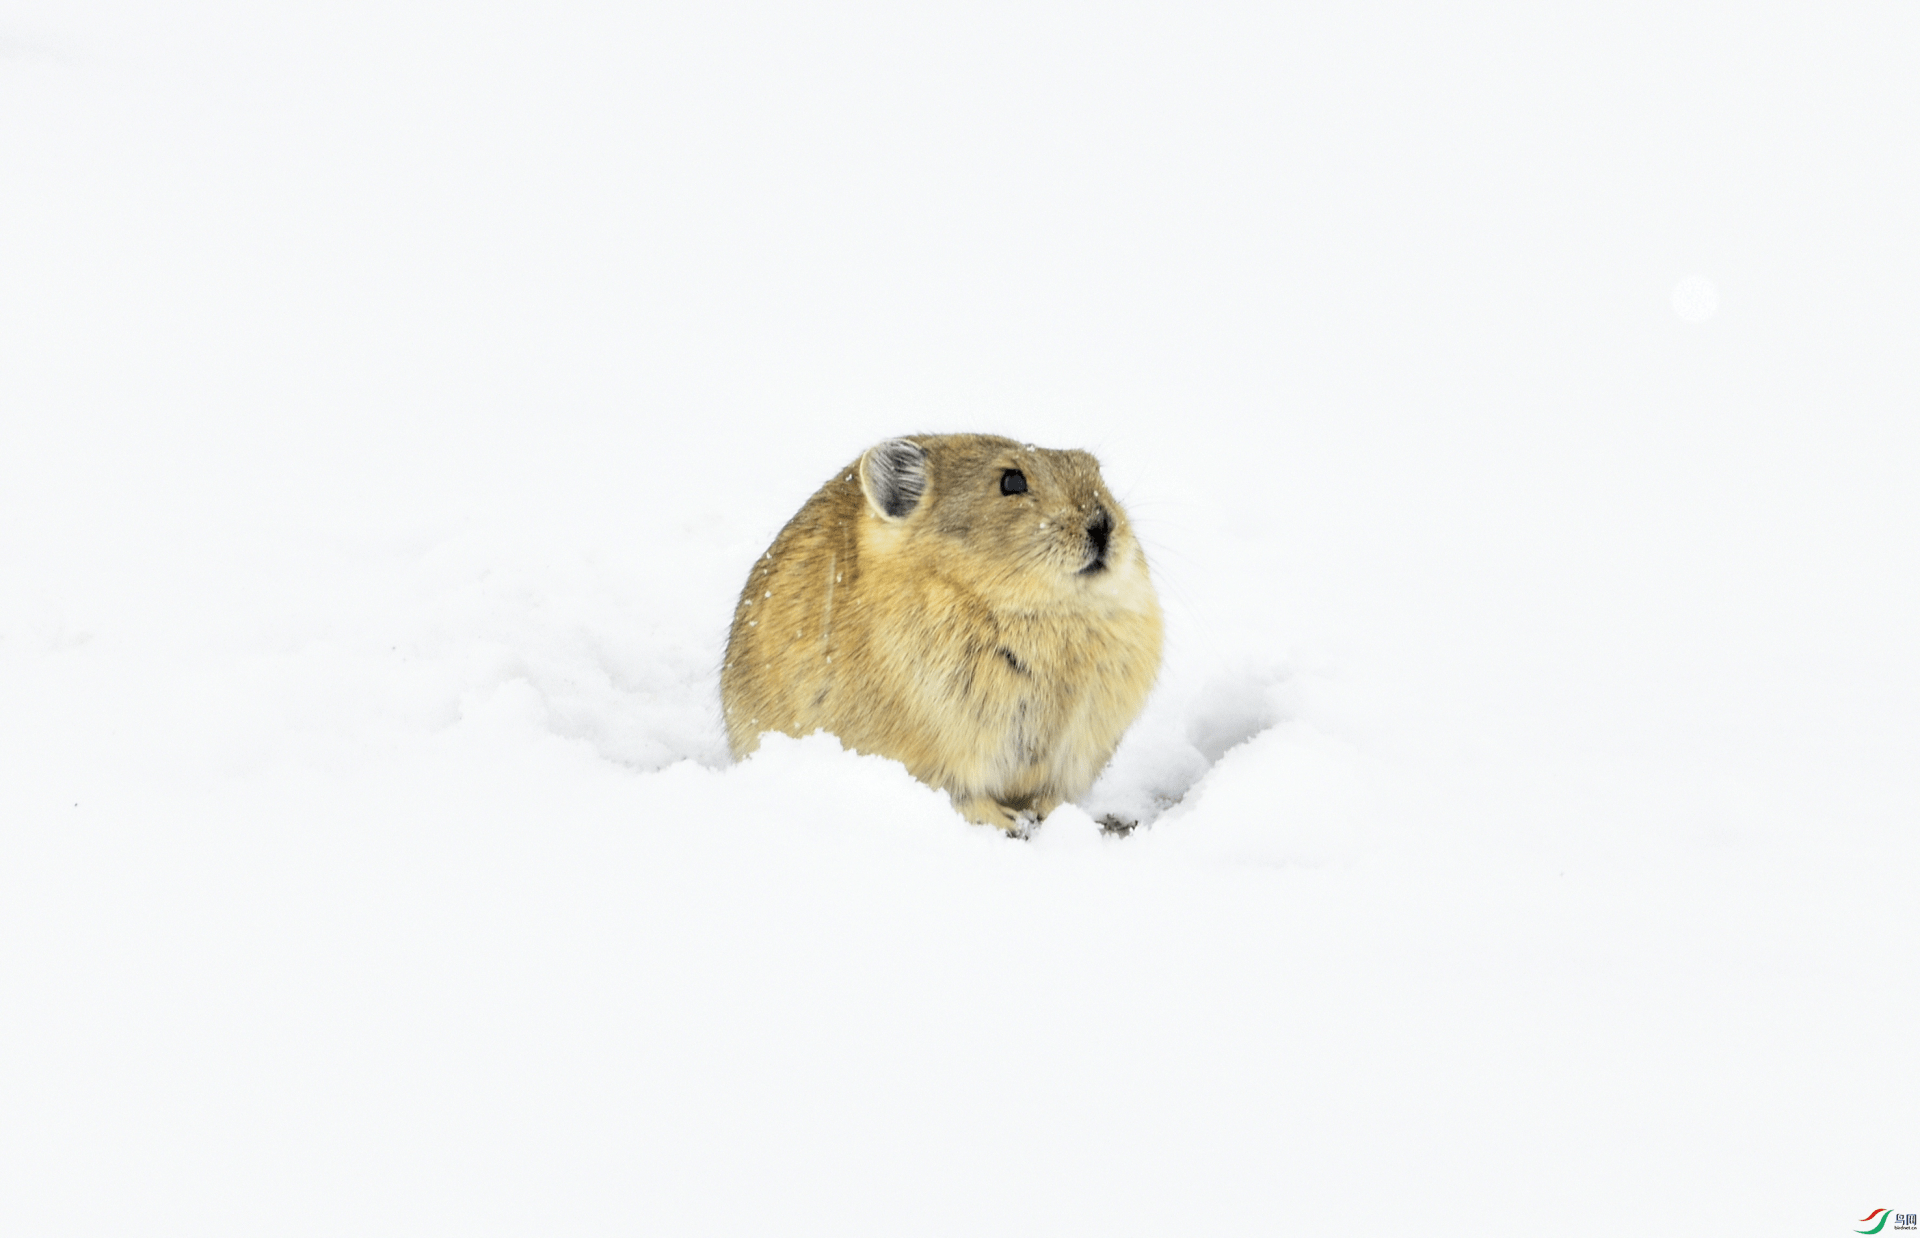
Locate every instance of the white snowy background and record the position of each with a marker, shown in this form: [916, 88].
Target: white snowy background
[1519, 406]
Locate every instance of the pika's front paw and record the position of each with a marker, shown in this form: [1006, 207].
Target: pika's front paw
[984, 810]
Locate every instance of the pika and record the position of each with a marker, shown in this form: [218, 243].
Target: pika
[976, 609]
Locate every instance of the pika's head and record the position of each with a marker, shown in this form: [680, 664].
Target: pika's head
[1031, 521]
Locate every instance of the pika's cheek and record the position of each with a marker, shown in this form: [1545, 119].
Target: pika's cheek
[1057, 534]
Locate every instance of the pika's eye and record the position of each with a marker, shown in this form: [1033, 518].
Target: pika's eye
[1013, 481]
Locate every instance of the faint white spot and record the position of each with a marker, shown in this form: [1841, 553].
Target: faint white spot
[1695, 299]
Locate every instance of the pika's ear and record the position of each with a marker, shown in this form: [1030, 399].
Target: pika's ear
[894, 476]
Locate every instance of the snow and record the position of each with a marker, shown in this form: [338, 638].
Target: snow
[1520, 418]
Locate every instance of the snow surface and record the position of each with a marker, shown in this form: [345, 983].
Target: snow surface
[393, 397]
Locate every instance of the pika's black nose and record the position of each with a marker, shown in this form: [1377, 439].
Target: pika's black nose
[1099, 532]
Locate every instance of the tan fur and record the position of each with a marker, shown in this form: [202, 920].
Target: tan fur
[962, 638]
